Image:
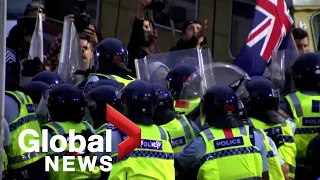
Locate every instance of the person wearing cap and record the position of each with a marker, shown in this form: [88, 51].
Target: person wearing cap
[31, 9]
[19, 37]
[193, 35]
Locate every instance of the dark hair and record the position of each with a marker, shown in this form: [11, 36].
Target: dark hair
[84, 36]
[299, 33]
[145, 19]
[31, 67]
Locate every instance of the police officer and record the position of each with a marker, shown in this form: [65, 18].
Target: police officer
[181, 130]
[175, 80]
[101, 82]
[111, 58]
[66, 106]
[303, 105]
[97, 99]
[227, 143]
[35, 89]
[51, 79]
[313, 158]
[139, 101]
[5, 148]
[158, 72]
[262, 104]
[20, 115]
[165, 110]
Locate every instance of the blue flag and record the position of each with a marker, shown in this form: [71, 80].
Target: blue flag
[271, 24]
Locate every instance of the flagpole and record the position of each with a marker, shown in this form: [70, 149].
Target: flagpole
[3, 21]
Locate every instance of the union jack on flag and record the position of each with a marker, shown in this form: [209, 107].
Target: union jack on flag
[271, 23]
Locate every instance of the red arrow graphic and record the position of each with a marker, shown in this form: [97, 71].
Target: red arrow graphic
[126, 126]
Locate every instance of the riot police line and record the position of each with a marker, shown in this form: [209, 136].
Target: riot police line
[216, 114]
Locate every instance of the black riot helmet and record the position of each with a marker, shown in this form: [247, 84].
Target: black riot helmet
[139, 101]
[176, 79]
[97, 99]
[111, 57]
[220, 107]
[262, 95]
[306, 72]
[51, 78]
[165, 100]
[262, 100]
[66, 103]
[165, 109]
[35, 89]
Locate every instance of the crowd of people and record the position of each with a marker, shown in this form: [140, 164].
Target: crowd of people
[244, 130]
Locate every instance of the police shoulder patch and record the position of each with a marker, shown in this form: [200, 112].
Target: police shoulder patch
[89, 83]
[93, 79]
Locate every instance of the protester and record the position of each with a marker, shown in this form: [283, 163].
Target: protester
[86, 47]
[193, 35]
[53, 54]
[302, 40]
[20, 35]
[32, 9]
[143, 36]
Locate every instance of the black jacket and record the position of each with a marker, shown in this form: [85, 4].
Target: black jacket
[181, 44]
[134, 48]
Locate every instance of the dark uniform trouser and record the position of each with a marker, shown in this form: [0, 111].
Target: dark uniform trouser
[190, 174]
[34, 171]
[185, 174]
[312, 161]
[301, 173]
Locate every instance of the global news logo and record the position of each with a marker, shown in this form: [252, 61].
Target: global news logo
[95, 145]
[70, 151]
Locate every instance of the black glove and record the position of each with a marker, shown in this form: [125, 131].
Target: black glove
[31, 67]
